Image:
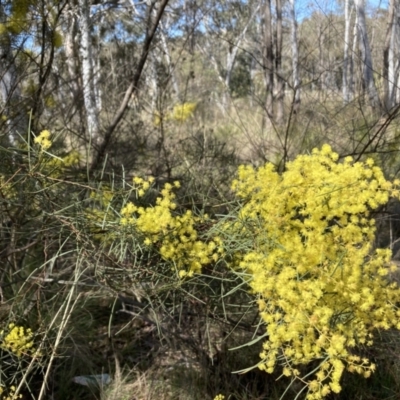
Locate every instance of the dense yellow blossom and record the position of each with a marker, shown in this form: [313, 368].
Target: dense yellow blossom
[17, 339]
[323, 289]
[219, 397]
[43, 140]
[175, 234]
[11, 394]
[181, 112]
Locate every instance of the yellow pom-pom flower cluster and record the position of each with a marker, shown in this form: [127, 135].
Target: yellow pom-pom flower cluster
[322, 289]
[11, 394]
[43, 140]
[175, 235]
[17, 340]
[219, 397]
[180, 113]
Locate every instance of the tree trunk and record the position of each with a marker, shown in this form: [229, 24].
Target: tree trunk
[353, 76]
[295, 55]
[280, 92]
[167, 55]
[88, 67]
[70, 33]
[321, 64]
[389, 63]
[346, 85]
[366, 58]
[234, 49]
[268, 60]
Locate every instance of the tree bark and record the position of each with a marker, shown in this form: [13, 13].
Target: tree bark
[70, 33]
[295, 55]
[280, 92]
[268, 60]
[346, 84]
[391, 56]
[354, 52]
[366, 58]
[167, 55]
[88, 67]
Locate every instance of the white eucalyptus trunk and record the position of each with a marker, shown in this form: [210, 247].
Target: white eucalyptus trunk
[352, 78]
[152, 82]
[366, 57]
[70, 33]
[346, 83]
[233, 50]
[268, 60]
[88, 67]
[280, 92]
[231, 54]
[390, 61]
[171, 69]
[295, 53]
[96, 83]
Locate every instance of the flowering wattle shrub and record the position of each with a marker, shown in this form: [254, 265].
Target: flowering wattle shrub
[11, 394]
[180, 113]
[174, 234]
[17, 340]
[43, 140]
[323, 290]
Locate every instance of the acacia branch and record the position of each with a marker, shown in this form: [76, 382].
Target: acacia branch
[131, 89]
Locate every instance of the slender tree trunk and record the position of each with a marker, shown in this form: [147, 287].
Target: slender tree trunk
[268, 60]
[253, 72]
[152, 82]
[388, 59]
[167, 55]
[88, 67]
[353, 76]
[189, 9]
[234, 49]
[131, 90]
[96, 55]
[366, 58]
[346, 92]
[394, 61]
[70, 34]
[96, 84]
[295, 55]
[280, 92]
[321, 67]
[394, 56]
[231, 56]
